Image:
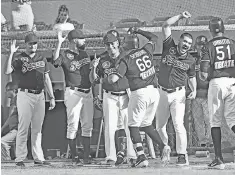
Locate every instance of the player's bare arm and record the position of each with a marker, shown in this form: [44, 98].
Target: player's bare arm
[166, 30]
[193, 86]
[93, 75]
[61, 39]
[8, 67]
[49, 89]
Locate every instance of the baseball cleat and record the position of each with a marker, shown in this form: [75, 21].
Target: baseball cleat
[165, 157]
[217, 163]
[182, 160]
[120, 158]
[20, 164]
[42, 163]
[141, 161]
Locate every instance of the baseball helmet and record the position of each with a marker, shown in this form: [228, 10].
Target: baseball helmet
[131, 42]
[216, 25]
[201, 40]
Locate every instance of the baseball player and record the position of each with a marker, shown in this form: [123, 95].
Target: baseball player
[175, 66]
[78, 97]
[218, 66]
[199, 104]
[115, 101]
[138, 68]
[9, 139]
[33, 69]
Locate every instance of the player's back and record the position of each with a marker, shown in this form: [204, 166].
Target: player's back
[221, 51]
[140, 71]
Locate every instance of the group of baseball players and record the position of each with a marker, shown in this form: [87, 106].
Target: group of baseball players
[133, 92]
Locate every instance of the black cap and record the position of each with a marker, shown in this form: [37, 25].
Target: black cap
[109, 38]
[75, 34]
[31, 38]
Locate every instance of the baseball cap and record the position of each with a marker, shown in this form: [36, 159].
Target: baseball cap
[109, 38]
[73, 34]
[31, 38]
[114, 32]
[201, 40]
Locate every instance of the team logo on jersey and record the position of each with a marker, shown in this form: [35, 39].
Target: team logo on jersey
[172, 50]
[24, 59]
[31, 66]
[74, 65]
[171, 61]
[70, 56]
[106, 64]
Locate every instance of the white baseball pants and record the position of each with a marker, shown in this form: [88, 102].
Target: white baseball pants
[115, 117]
[174, 104]
[31, 109]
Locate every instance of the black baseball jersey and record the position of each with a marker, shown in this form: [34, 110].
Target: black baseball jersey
[31, 70]
[76, 67]
[174, 68]
[220, 52]
[106, 67]
[138, 67]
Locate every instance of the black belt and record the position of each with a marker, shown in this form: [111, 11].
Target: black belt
[116, 93]
[31, 91]
[170, 90]
[80, 90]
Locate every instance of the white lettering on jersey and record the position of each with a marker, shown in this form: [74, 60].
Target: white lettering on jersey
[169, 60]
[74, 65]
[147, 73]
[224, 64]
[221, 42]
[138, 54]
[31, 66]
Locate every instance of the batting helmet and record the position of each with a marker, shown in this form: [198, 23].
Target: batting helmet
[216, 25]
[131, 42]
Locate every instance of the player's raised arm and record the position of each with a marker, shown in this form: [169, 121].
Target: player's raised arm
[8, 64]
[166, 30]
[61, 39]
[150, 36]
[93, 74]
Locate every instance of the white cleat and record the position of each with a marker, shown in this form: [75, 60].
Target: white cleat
[165, 157]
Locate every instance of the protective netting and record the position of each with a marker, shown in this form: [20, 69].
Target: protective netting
[96, 17]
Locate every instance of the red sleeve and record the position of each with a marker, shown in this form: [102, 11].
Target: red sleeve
[59, 61]
[168, 42]
[16, 63]
[150, 47]
[121, 69]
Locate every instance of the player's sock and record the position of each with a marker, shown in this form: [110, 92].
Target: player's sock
[121, 137]
[153, 134]
[86, 147]
[216, 137]
[121, 133]
[136, 139]
[233, 128]
[72, 146]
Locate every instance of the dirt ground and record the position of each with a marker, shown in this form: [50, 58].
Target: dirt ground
[197, 166]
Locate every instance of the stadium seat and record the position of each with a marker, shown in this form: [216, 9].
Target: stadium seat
[201, 20]
[230, 20]
[128, 22]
